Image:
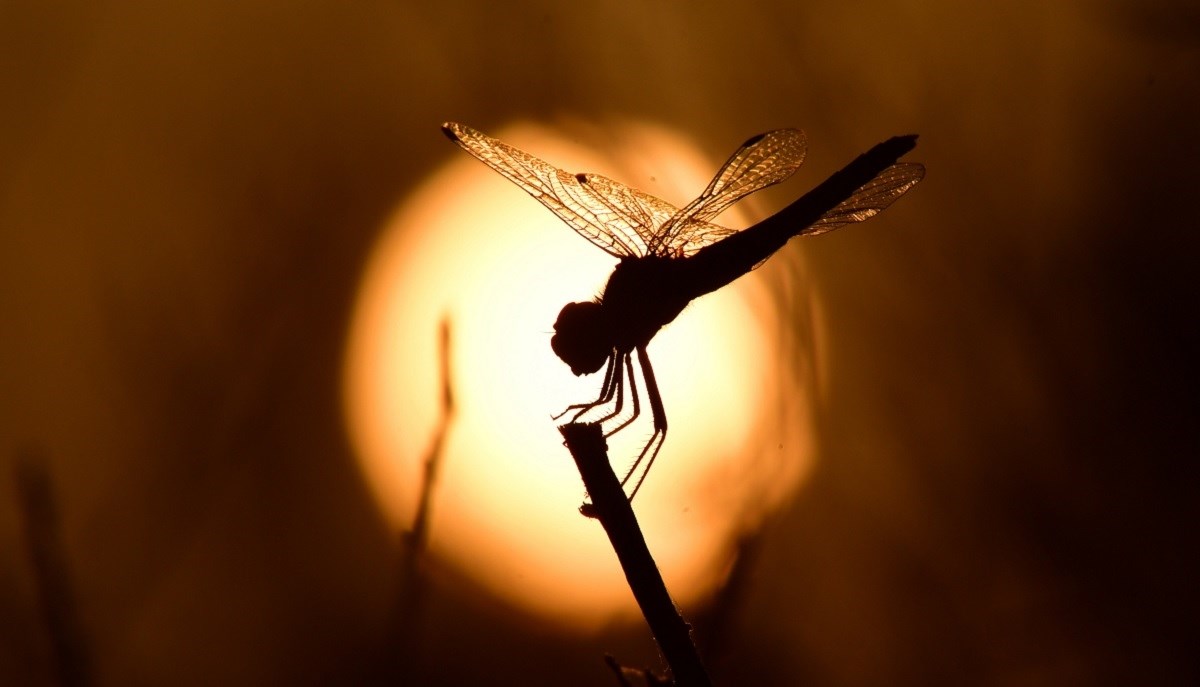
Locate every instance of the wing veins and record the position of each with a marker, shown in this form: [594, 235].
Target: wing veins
[871, 198]
[589, 211]
[762, 161]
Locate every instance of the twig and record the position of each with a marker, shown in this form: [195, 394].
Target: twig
[611, 507]
[43, 542]
[407, 612]
[649, 679]
[433, 460]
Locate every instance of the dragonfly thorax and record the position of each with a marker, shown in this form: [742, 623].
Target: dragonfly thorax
[582, 337]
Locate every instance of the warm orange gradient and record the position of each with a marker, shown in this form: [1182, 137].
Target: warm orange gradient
[471, 247]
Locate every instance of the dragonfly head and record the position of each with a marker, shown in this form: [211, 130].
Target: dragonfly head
[581, 337]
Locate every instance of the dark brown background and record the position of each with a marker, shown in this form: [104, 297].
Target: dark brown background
[188, 193]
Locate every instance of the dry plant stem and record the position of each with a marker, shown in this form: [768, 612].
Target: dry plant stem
[612, 509]
[405, 622]
[433, 460]
[43, 540]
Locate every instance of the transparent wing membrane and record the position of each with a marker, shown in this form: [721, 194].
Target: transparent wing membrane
[762, 161]
[650, 211]
[614, 217]
[870, 199]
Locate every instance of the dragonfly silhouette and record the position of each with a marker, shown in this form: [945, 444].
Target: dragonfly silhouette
[670, 256]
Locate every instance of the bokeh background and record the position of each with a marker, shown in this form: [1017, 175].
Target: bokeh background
[189, 193]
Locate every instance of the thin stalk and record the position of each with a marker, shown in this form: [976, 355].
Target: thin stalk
[612, 509]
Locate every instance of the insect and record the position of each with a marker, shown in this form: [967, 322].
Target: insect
[670, 256]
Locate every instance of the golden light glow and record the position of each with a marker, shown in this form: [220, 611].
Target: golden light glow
[470, 246]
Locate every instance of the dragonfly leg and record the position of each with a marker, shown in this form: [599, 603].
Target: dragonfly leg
[606, 393]
[633, 395]
[615, 387]
[650, 452]
[623, 368]
[613, 392]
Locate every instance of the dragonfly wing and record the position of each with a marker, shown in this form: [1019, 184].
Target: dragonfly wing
[871, 198]
[762, 161]
[650, 212]
[696, 235]
[612, 216]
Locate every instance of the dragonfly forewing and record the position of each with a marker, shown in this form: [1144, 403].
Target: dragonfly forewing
[606, 213]
[650, 212]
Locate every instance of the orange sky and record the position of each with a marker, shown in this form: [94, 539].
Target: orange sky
[189, 194]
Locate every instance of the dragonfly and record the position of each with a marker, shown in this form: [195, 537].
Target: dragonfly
[669, 256]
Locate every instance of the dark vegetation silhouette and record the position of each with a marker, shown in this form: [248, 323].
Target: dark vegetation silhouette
[615, 513]
[407, 614]
[41, 529]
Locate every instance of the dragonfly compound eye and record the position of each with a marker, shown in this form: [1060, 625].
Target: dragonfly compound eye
[581, 337]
